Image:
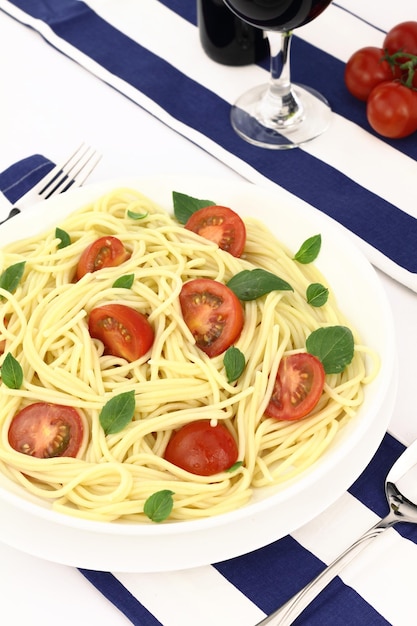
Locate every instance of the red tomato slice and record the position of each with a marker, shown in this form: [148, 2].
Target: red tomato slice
[202, 449]
[221, 225]
[298, 387]
[46, 430]
[213, 313]
[104, 252]
[124, 332]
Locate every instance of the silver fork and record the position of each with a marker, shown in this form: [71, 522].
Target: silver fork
[72, 173]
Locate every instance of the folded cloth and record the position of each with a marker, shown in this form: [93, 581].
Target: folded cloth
[143, 50]
[256, 583]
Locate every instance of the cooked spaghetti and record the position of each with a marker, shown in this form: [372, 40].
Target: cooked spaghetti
[43, 324]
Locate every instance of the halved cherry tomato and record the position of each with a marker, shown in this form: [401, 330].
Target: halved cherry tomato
[298, 387]
[221, 225]
[124, 331]
[213, 313]
[202, 449]
[365, 69]
[391, 110]
[45, 430]
[104, 252]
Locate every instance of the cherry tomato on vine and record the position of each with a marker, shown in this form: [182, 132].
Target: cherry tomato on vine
[213, 313]
[401, 38]
[298, 387]
[104, 252]
[203, 449]
[392, 110]
[365, 69]
[124, 331]
[221, 225]
[45, 430]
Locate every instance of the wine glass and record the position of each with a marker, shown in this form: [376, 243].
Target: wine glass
[279, 114]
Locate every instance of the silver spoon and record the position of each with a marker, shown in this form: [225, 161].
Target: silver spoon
[401, 492]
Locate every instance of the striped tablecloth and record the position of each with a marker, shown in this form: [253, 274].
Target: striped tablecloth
[149, 51]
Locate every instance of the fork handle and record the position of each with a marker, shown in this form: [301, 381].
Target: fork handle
[14, 211]
[288, 612]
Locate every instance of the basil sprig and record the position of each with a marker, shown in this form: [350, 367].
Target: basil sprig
[252, 284]
[317, 294]
[124, 282]
[12, 276]
[11, 372]
[309, 250]
[64, 237]
[185, 206]
[333, 346]
[137, 216]
[117, 412]
[159, 505]
[234, 363]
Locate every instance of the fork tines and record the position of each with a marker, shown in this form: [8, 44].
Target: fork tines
[75, 170]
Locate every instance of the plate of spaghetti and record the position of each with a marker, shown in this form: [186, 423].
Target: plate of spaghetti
[190, 369]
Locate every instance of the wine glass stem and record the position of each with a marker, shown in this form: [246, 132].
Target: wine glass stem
[280, 106]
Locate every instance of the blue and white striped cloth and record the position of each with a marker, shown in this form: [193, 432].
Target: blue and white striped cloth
[149, 51]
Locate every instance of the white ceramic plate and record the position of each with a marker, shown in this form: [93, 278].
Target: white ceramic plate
[30, 525]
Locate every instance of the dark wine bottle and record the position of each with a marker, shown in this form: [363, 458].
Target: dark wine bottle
[226, 38]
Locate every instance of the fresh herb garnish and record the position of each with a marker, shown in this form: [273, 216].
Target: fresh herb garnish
[137, 216]
[117, 412]
[235, 466]
[124, 282]
[185, 206]
[333, 345]
[11, 276]
[11, 372]
[252, 284]
[234, 363]
[64, 237]
[159, 505]
[309, 250]
[317, 294]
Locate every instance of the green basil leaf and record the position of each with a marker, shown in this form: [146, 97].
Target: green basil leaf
[252, 284]
[117, 412]
[11, 372]
[159, 505]
[64, 237]
[235, 466]
[185, 206]
[234, 363]
[137, 216]
[12, 276]
[125, 282]
[333, 345]
[309, 250]
[317, 294]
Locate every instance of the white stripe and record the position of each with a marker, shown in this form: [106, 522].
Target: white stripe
[338, 146]
[391, 558]
[200, 597]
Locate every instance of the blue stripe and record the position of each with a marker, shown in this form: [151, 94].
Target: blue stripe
[376, 221]
[114, 591]
[271, 575]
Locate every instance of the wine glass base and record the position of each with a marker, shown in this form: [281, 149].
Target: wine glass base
[280, 134]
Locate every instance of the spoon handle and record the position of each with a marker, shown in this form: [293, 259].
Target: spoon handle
[288, 612]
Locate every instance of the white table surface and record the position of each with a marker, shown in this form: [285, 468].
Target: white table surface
[48, 104]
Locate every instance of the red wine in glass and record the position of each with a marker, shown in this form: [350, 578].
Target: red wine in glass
[279, 115]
